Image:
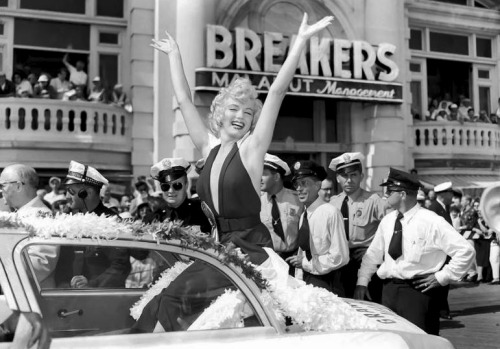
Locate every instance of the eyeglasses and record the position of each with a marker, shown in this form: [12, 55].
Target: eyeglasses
[3, 184]
[175, 186]
[301, 183]
[70, 191]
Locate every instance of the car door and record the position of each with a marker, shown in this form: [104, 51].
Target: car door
[89, 311]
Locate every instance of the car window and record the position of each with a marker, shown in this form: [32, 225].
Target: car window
[101, 290]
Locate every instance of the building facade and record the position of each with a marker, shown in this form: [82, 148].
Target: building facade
[363, 85]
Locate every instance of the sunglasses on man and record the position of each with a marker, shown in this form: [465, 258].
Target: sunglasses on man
[175, 186]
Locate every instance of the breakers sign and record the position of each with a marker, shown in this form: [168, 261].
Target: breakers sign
[331, 68]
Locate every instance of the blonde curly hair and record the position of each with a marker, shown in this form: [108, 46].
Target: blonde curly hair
[240, 90]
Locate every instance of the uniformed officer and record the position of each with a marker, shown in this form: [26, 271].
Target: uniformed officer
[322, 241]
[280, 207]
[362, 212]
[411, 245]
[441, 206]
[91, 267]
[172, 175]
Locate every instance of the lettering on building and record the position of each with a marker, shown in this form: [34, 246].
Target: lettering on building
[333, 68]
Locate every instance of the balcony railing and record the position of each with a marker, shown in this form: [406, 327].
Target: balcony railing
[454, 138]
[50, 133]
[77, 123]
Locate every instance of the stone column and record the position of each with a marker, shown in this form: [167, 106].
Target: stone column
[140, 31]
[192, 17]
[380, 130]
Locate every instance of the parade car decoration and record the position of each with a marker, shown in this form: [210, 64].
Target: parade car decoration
[262, 308]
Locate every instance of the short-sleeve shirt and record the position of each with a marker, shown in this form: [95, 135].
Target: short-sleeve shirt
[365, 213]
[290, 210]
[77, 77]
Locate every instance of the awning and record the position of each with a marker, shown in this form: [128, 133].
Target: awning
[468, 184]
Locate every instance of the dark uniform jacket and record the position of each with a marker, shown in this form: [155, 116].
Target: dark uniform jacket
[102, 266]
[189, 212]
[437, 208]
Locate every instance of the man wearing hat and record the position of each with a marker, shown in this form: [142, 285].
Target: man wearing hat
[94, 266]
[56, 193]
[362, 212]
[411, 245]
[441, 206]
[171, 173]
[43, 89]
[280, 207]
[323, 248]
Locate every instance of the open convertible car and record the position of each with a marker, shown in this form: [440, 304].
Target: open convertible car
[102, 314]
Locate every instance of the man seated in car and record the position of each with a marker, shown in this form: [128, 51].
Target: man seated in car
[91, 266]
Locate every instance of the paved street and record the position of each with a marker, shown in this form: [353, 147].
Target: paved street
[476, 316]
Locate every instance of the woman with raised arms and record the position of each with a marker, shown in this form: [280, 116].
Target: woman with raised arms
[229, 184]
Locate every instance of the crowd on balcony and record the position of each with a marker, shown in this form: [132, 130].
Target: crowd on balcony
[444, 109]
[70, 84]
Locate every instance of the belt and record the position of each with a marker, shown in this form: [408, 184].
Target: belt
[398, 281]
[234, 224]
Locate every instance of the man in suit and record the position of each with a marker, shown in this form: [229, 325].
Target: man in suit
[444, 196]
[19, 183]
[441, 206]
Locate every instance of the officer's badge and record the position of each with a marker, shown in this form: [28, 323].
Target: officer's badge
[167, 164]
[358, 213]
[296, 166]
[292, 212]
[347, 158]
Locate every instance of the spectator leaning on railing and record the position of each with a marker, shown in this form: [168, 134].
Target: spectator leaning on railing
[61, 83]
[43, 89]
[7, 88]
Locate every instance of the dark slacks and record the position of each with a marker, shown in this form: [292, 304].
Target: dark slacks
[330, 281]
[422, 309]
[349, 278]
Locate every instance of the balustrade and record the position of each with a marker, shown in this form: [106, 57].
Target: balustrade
[32, 120]
[453, 137]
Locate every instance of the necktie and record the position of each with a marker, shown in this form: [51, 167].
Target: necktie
[173, 215]
[344, 209]
[303, 238]
[275, 213]
[396, 244]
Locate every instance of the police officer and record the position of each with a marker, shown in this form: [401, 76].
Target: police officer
[93, 266]
[362, 212]
[411, 245]
[280, 207]
[171, 173]
[322, 241]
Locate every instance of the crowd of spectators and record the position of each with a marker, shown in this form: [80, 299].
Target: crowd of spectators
[143, 200]
[70, 84]
[468, 221]
[444, 109]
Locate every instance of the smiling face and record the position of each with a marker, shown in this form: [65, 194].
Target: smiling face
[237, 118]
[176, 193]
[307, 189]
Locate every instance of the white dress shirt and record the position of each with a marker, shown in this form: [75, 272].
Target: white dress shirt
[328, 243]
[290, 210]
[43, 257]
[427, 240]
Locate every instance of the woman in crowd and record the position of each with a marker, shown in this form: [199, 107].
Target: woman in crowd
[229, 184]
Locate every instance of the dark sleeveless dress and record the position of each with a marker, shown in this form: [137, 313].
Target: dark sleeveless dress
[238, 222]
[239, 203]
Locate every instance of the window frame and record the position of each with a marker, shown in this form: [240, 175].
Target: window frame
[26, 279]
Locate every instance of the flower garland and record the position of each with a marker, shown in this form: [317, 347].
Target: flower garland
[165, 279]
[310, 307]
[75, 226]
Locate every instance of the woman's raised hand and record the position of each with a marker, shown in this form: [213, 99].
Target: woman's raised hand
[306, 31]
[167, 45]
